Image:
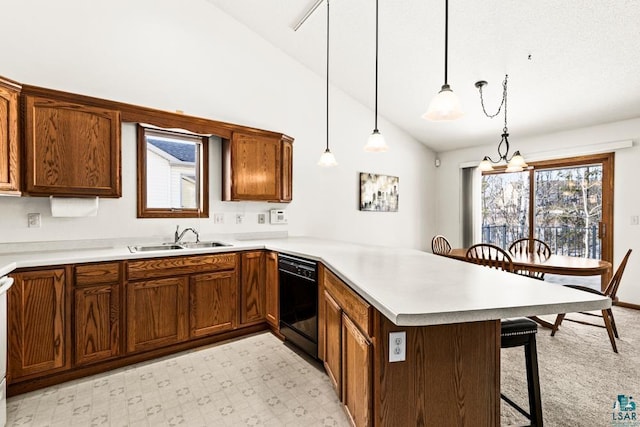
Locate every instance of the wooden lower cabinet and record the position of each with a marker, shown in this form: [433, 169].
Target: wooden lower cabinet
[97, 314]
[272, 297]
[252, 287]
[333, 342]
[157, 313]
[357, 354]
[37, 324]
[212, 303]
[97, 323]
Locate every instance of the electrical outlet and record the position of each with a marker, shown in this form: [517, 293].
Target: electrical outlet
[262, 218]
[33, 220]
[397, 346]
[634, 220]
[218, 218]
[239, 218]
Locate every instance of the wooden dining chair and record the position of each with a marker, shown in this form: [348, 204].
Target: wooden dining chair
[440, 245]
[525, 246]
[607, 315]
[490, 255]
[514, 332]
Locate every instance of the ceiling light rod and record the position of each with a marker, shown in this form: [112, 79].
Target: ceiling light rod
[445, 105]
[516, 162]
[376, 142]
[307, 15]
[327, 159]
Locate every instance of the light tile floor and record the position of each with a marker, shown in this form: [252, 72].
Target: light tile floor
[253, 381]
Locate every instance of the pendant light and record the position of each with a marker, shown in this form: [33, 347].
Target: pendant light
[327, 159]
[516, 162]
[376, 142]
[445, 105]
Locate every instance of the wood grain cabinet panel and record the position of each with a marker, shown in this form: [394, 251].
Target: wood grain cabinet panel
[71, 149]
[157, 313]
[357, 366]
[253, 289]
[333, 342]
[286, 184]
[97, 323]
[9, 145]
[273, 290]
[212, 303]
[254, 168]
[38, 326]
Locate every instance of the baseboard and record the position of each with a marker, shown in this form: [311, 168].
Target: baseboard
[627, 305]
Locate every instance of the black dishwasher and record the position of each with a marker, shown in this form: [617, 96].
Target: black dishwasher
[299, 302]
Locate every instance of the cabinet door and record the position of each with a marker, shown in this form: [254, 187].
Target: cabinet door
[212, 303]
[356, 374]
[9, 155]
[253, 288]
[97, 323]
[333, 342]
[71, 149]
[256, 167]
[287, 171]
[38, 324]
[273, 290]
[156, 313]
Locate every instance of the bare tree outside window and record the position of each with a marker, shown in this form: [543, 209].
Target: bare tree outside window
[567, 208]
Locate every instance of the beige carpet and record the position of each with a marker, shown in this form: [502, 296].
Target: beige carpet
[580, 375]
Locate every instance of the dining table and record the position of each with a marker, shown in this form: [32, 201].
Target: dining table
[554, 264]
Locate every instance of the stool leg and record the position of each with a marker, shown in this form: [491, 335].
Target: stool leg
[533, 381]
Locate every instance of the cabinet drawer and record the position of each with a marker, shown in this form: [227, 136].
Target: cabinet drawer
[95, 274]
[159, 267]
[351, 303]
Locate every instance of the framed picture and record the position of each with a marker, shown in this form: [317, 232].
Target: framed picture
[378, 193]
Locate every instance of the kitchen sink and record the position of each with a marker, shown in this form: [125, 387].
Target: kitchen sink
[173, 246]
[194, 245]
[149, 248]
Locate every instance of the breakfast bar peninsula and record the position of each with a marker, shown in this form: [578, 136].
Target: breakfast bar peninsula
[444, 314]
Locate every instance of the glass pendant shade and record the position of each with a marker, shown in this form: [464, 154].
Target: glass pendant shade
[444, 106]
[376, 142]
[485, 165]
[327, 159]
[518, 161]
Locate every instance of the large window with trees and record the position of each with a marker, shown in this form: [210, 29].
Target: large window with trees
[567, 203]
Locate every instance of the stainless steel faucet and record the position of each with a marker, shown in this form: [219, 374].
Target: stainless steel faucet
[179, 236]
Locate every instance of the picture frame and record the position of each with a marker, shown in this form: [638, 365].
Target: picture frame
[379, 193]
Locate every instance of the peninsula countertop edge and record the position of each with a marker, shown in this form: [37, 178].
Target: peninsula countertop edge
[408, 286]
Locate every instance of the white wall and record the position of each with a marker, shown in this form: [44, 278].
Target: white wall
[579, 141]
[190, 56]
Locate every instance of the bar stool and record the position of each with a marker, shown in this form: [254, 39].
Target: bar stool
[522, 332]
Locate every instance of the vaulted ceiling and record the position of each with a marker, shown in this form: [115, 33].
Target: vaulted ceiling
[571, 63]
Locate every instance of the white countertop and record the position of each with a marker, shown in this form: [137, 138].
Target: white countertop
[410, 287]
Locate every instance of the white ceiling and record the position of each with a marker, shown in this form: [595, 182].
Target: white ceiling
[584, 67]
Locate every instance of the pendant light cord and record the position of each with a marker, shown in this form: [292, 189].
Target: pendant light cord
[446, 38]
[376, 105]
[327, 75]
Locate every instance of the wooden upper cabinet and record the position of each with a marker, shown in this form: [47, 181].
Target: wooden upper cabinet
[287, 170]
[9, 148]
[71, 149]
[254, 168]
[38, 324]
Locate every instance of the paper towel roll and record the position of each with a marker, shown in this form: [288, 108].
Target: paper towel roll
[73, 207]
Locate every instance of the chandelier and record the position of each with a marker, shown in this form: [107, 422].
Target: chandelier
[515, 162]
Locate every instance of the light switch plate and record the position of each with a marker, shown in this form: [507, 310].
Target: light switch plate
[397, 346]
